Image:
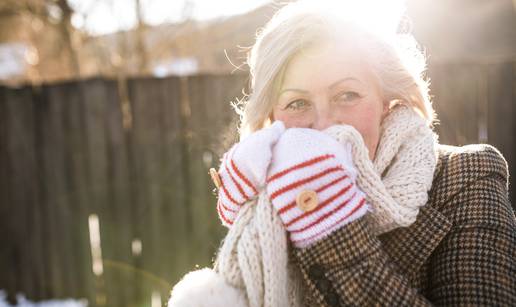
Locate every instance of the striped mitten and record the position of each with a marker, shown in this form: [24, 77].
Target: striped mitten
[311, 184]
[243, 170]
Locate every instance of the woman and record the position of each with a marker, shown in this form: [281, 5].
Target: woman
[425, 223]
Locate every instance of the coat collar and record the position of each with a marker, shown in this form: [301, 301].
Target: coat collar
[409, 247]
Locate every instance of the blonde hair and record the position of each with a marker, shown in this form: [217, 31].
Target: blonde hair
[395, 59]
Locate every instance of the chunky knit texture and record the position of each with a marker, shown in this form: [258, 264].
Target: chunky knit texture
[254, 255]
[398, 180]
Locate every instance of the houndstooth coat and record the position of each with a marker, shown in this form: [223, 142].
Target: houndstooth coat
[460, 251]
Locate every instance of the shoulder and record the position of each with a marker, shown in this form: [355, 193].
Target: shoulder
[483, 158]
[459, 165]
[470, 179]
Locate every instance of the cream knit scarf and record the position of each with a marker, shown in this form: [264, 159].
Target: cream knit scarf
[397, 182]
[253, 259]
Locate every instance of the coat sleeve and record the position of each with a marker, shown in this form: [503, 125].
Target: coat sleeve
[473, 265]
[476, 262]
[348, 268]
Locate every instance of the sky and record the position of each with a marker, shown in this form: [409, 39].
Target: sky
[107, 16]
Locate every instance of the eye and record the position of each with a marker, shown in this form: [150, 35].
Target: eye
[348, 96]
[297, 105]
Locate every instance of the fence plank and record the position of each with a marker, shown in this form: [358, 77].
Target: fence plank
[77, 172]
[24, 192]
[37, 207]
[173, 254]
[146, 136]
[120, 200]
[59, 201]
[16, 147]
[178, 153]
[96, 99]
[134, 193]
[502, 111]
[44, 182]
[202, 202]
[7, 260]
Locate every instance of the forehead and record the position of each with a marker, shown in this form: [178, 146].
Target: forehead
[326, 62]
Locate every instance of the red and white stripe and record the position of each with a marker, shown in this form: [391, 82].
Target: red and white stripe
[226, 215]
[243, 170]
[339, 199]
[236, 188]
[329, 226]
[325, 225]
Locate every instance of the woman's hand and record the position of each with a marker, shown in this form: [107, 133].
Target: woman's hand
[311, 184]
[243, 170]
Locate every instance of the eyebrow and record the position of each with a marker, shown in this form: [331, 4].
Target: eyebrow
[330, 87]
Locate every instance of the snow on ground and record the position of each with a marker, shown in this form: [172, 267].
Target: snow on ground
[24, 302]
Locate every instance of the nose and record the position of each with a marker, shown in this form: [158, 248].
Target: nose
[323, 118]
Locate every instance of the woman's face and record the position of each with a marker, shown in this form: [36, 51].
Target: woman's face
[327, 85]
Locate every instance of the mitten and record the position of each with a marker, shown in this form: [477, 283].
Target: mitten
[312, 184]
[243, 170]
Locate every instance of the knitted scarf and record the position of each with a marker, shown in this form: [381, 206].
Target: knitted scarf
[397, 181]
[252, 266]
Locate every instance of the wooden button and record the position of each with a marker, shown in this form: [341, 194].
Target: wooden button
[307, 200]
[215, 177]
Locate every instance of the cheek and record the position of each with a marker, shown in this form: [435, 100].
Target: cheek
[292, 120]
[367, 120]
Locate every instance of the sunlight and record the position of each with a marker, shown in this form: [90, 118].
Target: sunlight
[379, 16]
[136, 247]
[102, 17]
[96, 251]
[107, 16]
[156, 299]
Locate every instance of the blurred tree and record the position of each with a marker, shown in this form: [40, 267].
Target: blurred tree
[26, 20]
[70, 40]
[141, 28]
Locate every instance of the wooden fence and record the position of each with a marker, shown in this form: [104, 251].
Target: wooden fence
[131, 157]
